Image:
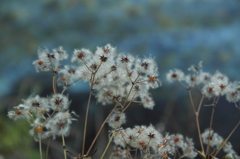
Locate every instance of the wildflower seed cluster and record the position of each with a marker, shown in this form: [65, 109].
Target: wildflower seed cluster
[151, 143]
[213, 87]
[210, 85]
[120, 79]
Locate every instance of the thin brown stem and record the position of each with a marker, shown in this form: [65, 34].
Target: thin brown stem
[128, 152]
[100, 129]
[129, 102]
[191, 100]
[47, 149]
[133, 83]
[103, 76]
[200, 104]
[236, 105]
[182, 84]
[87, 66]
[27, 121]
[54, 77]
[85, 123]
[199, 134]
[54, 84]
[209, 134]
[110, 140]
[64, 145]
[196, 116]
[225, 141]
[135, 156]
[98, 67]
[89, 100]
[40, 146]
[198, 125]
[49, 117]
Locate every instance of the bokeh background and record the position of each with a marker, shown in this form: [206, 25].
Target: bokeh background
[178, 33]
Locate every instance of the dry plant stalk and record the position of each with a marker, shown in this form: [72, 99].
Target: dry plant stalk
[122, 79]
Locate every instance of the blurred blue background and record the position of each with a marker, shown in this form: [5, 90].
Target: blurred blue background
[178, 33]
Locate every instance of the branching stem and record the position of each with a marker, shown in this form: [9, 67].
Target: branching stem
[225, 141]
[94, 140]
[64, 145]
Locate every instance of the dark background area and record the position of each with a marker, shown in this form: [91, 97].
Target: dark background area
[178, 33]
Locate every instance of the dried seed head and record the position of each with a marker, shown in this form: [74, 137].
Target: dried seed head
[176, 139]
[140, 131]
[136, 88]
[144, 65]
[35, 104]
[210, 89]
[43, 111]
[151, 136]
[142, 144]
[114, 68]
[152, 79]
[94, 66]
[125, 60]
[210, 137]
[117, 118]
[60, 125]
[207, 78]
[80, 55]
[129, 74]
[63, 79]
[40, 62]
[174, 75]
[161, 146]
[39, 129]
[107, 50]
[58, 101]
[193, 79]
[50, 56]
[18, 112]
[71, 71]
[103, 58]
[222, 86]
[164, 155]
[197, 68]
[60, 51]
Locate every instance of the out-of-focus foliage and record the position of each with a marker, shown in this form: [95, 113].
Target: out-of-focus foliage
[15, 140]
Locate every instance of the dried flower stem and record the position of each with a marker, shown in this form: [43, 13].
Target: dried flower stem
[129, 102]
[196, 117]
[64, 145]
[89, 100]
[40, 147]
[47, 149]
[198, 126]
[210, 128]
[54, 78]
[200, 104]
[133, 83]
[211, 122]
[225, 141]
[85, 123]
[55, 92]
[183, 84]
[110, 140]
[54, 84]
[191, 100]
[49, 117]
[100, 129]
